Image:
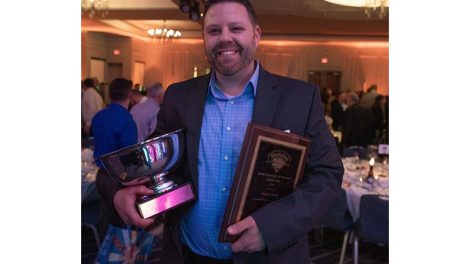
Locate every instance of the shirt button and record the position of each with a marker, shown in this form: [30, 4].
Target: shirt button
[229, 128]
[225, 157]
[224, 189]
[231, 102]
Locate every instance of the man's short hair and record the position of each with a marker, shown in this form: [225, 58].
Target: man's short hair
[119, 89]
[154, 90]
[135, 91]
[372, 87]
[353, 97]
[245, 3]
[89, 82]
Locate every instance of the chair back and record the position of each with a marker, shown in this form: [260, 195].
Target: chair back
[90, 194]
[351, 151]
[373, 220]
[91, 211]
[91, 206]
[338, 217]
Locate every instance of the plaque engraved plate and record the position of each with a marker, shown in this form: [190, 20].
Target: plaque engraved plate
[271, 165]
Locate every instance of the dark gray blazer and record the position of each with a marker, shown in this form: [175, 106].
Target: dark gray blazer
[281, 103]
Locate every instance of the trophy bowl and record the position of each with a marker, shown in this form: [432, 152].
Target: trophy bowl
[151, 163]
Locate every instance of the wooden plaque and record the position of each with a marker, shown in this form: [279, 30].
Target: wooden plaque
[271, 165]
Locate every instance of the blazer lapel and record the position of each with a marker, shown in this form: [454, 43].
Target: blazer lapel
[194, 114]
[266, 100]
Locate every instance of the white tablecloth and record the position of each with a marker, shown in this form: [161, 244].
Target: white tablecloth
[354, 182]
[89, 170]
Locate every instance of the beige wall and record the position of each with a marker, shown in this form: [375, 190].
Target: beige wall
[361, 64]
[101, 46]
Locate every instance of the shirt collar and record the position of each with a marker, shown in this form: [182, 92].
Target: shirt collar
[219, 94]
[117, 106]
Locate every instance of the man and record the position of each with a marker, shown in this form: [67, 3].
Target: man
[358, 123]
[91, 104]
[145, 114]
[338, 106]
[113, 129]
[368, 99]
[137, 98]
[215, 109]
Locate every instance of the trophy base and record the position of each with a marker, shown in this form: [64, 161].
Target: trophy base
[161, 202]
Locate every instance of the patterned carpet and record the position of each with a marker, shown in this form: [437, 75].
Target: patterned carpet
[326, 251]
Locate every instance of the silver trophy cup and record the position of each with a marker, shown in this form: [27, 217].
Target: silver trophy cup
[151, 163]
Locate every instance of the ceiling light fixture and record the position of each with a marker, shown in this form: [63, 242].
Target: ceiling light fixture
[370, 6]
[164, 34]
[91, 7]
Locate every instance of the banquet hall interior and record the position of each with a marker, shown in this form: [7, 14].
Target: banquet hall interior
[341, 48]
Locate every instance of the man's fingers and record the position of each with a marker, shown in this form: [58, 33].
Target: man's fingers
[241, 226]
[142, 190]
[124, 203]
[250, 239]
[238, 246]
[141, 222]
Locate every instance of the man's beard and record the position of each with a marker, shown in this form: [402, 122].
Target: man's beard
[230, 66]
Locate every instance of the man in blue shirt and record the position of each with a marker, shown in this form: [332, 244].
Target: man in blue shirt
[215, 109]
[113, 129]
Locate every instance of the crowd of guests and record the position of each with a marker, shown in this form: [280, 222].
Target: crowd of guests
[143, 104]
[361, 118]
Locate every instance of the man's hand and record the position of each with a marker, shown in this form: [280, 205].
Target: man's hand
[250, 240]
[124, 202]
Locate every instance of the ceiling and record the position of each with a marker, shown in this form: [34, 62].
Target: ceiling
[278, 19]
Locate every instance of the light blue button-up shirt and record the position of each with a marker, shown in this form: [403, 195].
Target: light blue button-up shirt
[223, 130]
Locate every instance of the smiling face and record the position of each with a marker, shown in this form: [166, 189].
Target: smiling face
[230, 38]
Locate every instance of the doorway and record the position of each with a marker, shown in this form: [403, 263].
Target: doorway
[326, 79]
[114, 71]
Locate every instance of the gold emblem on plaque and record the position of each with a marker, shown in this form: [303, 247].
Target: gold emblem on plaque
[279, 159]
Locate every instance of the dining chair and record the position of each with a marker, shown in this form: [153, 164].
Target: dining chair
[351, 151]
[91, 211]
[372, 224]
[338, 218]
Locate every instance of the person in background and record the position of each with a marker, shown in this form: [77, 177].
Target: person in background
[358, 123]
[145, 114]
[137, 98]
[92, 102]
[338, 107]
[113, 128]
[327, 98]
[215, 110]
[368, 99]
[380, 117]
